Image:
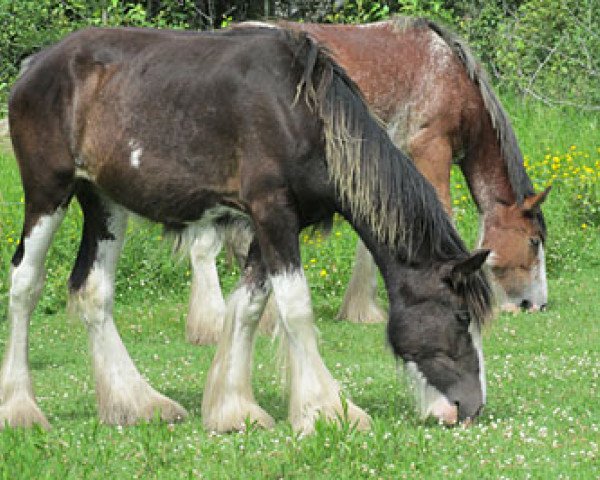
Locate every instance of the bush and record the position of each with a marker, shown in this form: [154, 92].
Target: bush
[546, 49]
[28, 26]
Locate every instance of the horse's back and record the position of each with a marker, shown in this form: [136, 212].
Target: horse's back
[407, 72]
[145, 111]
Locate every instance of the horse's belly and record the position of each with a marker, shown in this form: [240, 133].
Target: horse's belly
[162, 188]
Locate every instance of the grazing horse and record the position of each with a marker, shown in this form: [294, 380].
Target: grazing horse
[257, 129]
[425, 84]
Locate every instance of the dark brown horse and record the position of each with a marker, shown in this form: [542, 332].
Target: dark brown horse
[425, 84]
[210, 132]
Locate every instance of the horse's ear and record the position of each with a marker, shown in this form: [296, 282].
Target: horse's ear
[469, 265]
[530, 203]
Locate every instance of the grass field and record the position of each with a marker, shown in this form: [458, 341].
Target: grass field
[543, 414]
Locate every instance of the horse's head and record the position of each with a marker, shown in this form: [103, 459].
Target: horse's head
[515, 235]
[435, 321]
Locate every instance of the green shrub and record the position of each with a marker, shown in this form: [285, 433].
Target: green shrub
[365, 11]
[546, 49]
[28, 26]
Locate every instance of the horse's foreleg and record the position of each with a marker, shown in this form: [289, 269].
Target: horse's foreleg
[360, 300]
[27, 275]
[123, 395]
[237, 241]
[207, 307]
[313, 390]
[228, 402]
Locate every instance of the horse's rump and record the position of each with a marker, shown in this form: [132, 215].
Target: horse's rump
[147, 113]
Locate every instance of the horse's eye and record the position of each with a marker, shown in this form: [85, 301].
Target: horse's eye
[534, 242]
[464, 317]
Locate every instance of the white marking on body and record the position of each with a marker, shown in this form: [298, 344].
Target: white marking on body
[19, 407]
[430, 401]
[313, 391]
[228, 401]
[475, 332]
[136, 153]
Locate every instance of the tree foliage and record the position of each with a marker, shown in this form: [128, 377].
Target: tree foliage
[548, 49]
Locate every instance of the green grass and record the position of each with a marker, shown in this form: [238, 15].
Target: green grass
[543, 414]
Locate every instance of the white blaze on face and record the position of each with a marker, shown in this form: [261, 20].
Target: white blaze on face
[136, 153]
[430, 401]
[475, 333]
[533, 286]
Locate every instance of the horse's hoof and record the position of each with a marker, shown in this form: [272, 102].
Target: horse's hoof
[196, 337]
[22, 411]
[363, 313]
[123, 412]
[203, 332]
[352, 415]
[236, 417]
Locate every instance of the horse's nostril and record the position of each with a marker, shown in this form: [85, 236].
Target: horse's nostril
[525, 304]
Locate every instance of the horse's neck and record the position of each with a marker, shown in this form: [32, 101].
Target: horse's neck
[486, 172]
[390, 263]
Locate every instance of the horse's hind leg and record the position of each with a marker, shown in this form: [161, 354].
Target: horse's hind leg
[124, 397]
[207, 307]
[360, 300]
[228, 402]
[27, 275]
[237, 241]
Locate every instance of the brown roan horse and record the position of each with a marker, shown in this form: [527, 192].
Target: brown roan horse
[433, 95]
[439, 107]
[208, 132]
